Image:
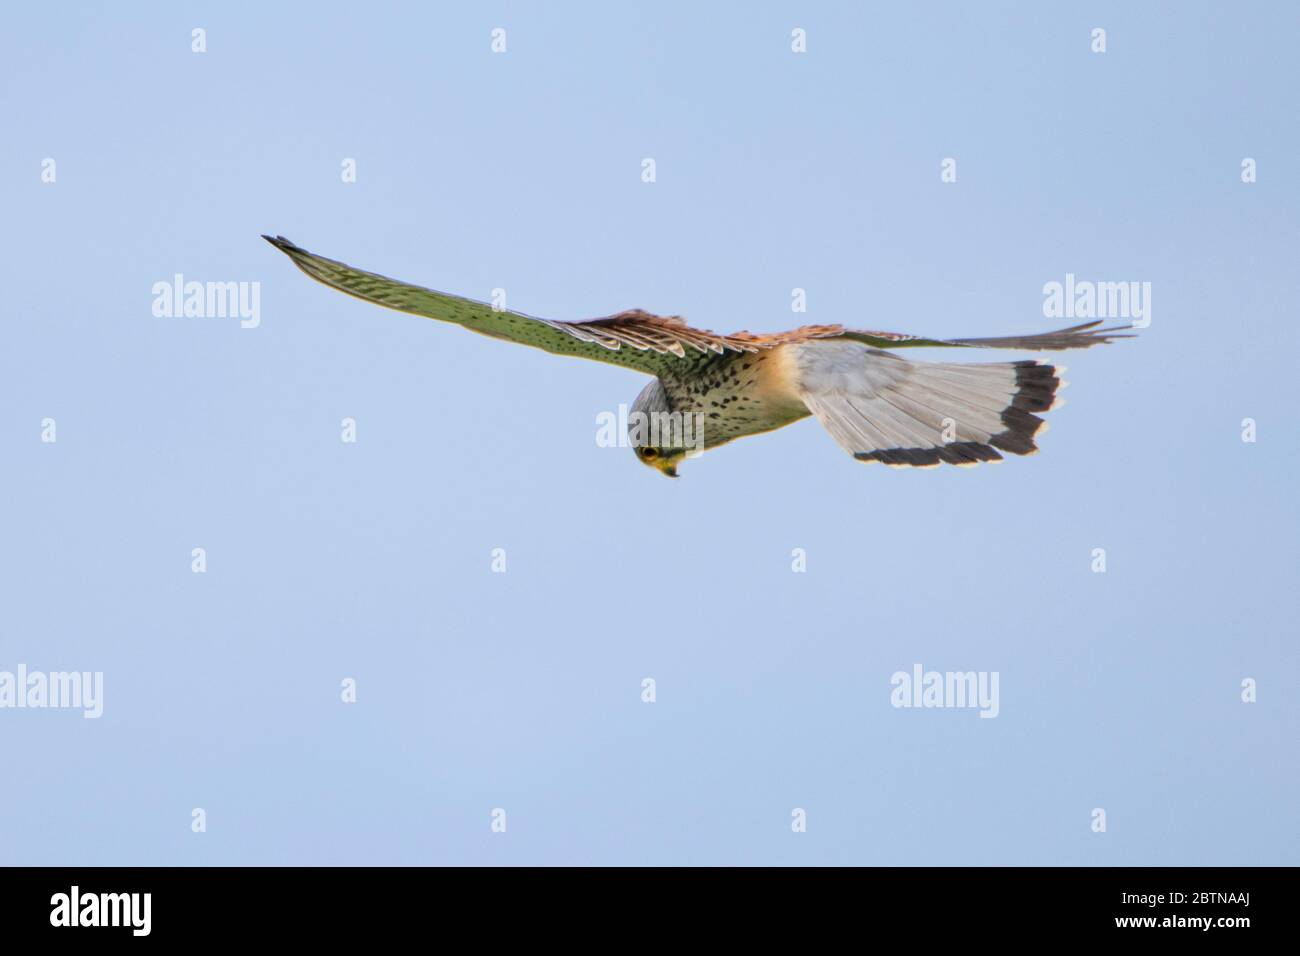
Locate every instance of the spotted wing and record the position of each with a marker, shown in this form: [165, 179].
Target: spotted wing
[653, 344]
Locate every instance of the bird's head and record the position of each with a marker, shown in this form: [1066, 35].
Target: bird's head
[649, 433]
[663, 460]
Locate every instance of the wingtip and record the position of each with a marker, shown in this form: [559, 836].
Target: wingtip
[281, 243]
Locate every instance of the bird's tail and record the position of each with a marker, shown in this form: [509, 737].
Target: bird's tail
[920, 414]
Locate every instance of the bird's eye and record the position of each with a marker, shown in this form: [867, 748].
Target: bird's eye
[649, 454]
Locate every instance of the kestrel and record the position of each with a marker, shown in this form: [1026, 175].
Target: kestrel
[876, 405]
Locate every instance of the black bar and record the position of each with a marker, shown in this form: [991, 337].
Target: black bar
[330, 904]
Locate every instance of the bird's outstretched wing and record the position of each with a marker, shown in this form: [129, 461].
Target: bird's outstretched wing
[654, 344]
[1074, 337]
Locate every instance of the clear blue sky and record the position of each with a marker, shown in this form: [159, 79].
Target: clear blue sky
[522, 690]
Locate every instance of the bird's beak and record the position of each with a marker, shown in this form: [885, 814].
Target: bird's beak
[670, 471]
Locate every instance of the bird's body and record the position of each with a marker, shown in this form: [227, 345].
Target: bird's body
[739, 394]
[876, 405]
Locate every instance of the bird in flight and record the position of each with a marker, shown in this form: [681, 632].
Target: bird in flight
[876, 405]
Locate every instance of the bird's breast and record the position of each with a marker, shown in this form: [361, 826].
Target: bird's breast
[737, 395]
